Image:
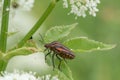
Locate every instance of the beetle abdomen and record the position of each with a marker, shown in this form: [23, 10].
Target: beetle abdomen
[64, 53]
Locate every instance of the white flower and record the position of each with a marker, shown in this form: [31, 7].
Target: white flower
[65, 4]
[92, 6]
[81, 7]
[17, 75]
[21, 75]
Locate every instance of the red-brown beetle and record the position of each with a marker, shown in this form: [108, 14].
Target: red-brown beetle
[59, 50]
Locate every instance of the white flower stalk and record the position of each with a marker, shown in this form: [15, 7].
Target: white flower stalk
[81, 7]
[17, 75]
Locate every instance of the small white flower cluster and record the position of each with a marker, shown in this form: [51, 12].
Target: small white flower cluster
[17, 75]
[80, 7]
[49, 77]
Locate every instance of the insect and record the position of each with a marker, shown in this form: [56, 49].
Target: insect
[60, 51]
[15, 5]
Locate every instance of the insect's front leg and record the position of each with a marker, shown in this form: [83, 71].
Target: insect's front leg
[59, 60]
[45, 49]
[65, 60]
[53, 60]
[47, 54]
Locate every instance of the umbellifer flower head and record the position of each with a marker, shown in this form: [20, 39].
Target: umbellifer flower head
[21, 75]
[81, 7]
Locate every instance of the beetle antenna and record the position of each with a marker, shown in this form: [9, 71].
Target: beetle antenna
[42, 39]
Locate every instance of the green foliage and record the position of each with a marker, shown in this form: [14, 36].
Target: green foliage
[66, 71]
[30, 43]
[101, 26]
[58, 32]
[83, 44]
[4, 59]
[77, 44]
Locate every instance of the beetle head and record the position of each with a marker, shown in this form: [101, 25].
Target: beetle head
[47, 45]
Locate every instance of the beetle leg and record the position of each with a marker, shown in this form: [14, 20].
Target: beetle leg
[65, 60]
[47, 55]
[53, 60]
[41, 40]
[59, 60]
[45, 49]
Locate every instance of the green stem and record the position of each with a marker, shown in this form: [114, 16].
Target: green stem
[20, 51]
[39, 23]
[4, 25]
[3, 65]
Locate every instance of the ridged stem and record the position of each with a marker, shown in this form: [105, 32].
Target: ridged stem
[4, 25]
[38, 23]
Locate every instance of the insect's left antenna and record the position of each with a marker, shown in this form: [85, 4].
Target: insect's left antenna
[42, 39]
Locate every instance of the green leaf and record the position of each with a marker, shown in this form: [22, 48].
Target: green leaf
[30, 43]
[58, 32]
[83, 44]
[62, 76]
[65, 72]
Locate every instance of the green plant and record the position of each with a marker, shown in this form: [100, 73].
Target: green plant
[57, 33]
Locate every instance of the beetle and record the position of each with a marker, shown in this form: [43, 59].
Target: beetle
[15, 5]
[59, 50]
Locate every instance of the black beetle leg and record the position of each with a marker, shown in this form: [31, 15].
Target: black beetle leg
[65, 60]
[60, 61]
[47, 55]
[45, 49]
[53, 60]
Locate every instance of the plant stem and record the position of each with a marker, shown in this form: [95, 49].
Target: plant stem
[3, 65]
[20, 51]
[4, 59]
[4, 25]
[38, 23]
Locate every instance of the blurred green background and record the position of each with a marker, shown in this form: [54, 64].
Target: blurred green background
[105, 27]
